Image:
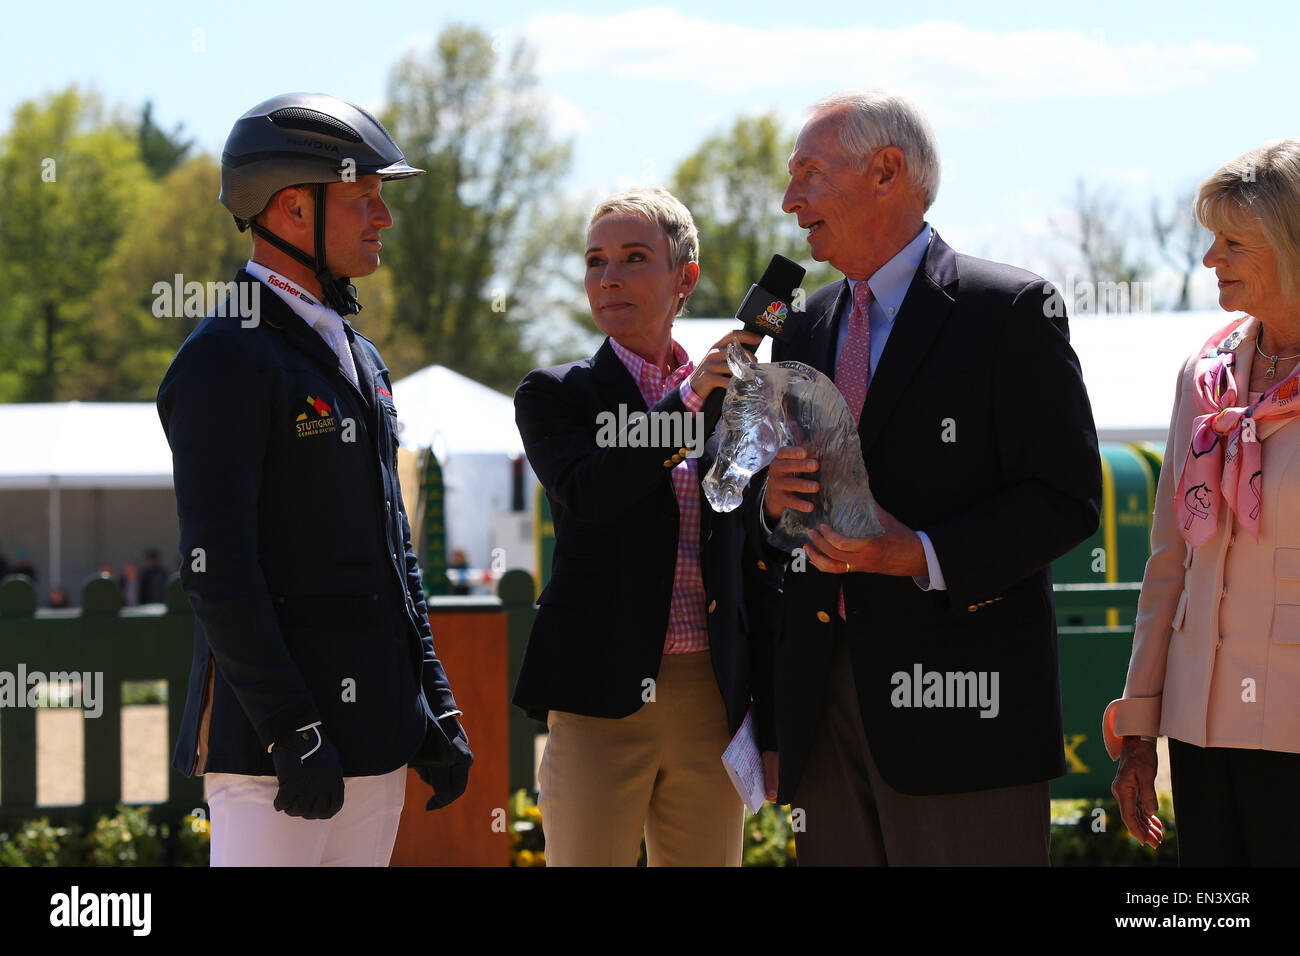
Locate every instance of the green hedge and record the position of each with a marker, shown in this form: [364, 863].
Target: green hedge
[124, 838]
[129, 837]
[1101, 839]
[1089, 839]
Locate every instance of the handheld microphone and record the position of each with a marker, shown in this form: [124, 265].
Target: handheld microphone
[765, 310]
[767, 304]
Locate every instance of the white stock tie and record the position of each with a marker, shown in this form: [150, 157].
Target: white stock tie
[330, 327]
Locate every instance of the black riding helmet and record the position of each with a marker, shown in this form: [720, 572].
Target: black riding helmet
[298, 138]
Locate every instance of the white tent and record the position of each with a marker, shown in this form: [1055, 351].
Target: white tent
[83, 445]
[101, 465]
[89, 483]
[1130, 362]
[442, 409]
[471, 428]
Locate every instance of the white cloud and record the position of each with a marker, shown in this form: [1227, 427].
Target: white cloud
[940, 59]
[569, 118]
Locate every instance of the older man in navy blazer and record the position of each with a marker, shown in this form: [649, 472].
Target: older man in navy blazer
[917, 688]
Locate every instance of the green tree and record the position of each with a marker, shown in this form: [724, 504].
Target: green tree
[462, 284]
[68, 185]
[181, 230]
[161, 151]
[733, 184]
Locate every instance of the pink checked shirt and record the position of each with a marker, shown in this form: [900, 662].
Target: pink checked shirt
[688, 628]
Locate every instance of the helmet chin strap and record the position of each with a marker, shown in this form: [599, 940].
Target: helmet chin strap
[339, 294]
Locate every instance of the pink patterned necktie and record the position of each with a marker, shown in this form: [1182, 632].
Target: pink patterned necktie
[853, 368]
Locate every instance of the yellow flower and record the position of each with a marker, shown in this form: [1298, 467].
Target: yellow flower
[524, 858]
[532, 813]
[789, 848]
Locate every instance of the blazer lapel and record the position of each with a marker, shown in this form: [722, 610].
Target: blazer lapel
[823, 332]
[307, 340]
[616, 384]
[365, 373]
[707, 516]
[923, 313]
[297, 332]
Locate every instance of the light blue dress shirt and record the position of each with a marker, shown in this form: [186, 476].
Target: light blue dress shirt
[889, 285]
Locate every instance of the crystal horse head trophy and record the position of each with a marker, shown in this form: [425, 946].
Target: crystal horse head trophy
[771, 406]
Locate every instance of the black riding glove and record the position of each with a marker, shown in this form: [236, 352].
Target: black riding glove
[310, 774]
[443, 761]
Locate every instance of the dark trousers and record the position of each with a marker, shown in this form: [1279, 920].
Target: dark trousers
[851, 817]
[1235, 807]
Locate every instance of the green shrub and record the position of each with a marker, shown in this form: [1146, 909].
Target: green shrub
[191, 842]
[527, 842]
[768, 839]
[127, 839]
[144, 692]
[1102, 839]
[38, 843]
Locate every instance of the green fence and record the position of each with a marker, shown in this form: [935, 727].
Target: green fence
[120, 645]
[126, 645]
[1094, 662]
[112, 644]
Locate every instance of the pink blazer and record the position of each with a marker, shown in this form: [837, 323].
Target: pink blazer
[1216, 644]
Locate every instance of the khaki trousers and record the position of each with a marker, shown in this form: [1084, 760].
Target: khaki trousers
[603, 782]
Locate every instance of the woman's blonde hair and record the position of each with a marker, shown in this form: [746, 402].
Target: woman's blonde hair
[667, 212]
[1260, 187]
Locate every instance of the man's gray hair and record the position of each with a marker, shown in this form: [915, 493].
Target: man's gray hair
[875, 118]
[1261, 187]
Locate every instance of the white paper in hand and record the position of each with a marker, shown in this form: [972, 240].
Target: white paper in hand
[745, 765]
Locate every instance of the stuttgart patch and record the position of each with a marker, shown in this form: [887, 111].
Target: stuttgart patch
[317, 419]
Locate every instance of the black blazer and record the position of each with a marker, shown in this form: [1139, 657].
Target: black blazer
[603, 617]
[286, 479]
[976, 430]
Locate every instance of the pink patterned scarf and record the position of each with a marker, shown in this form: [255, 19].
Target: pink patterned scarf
[1224, 461]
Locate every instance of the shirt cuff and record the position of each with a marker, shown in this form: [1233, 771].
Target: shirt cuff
[692, 401]
[934, 580]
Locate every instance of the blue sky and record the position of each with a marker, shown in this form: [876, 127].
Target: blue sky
[1142, 97]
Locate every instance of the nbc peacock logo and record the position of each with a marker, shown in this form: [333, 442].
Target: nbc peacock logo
[317, 419]
[773, 317]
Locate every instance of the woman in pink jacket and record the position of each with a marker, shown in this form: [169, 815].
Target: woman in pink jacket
[1216, 645]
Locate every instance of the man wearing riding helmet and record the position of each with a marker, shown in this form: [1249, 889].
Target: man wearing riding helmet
[314, 681]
